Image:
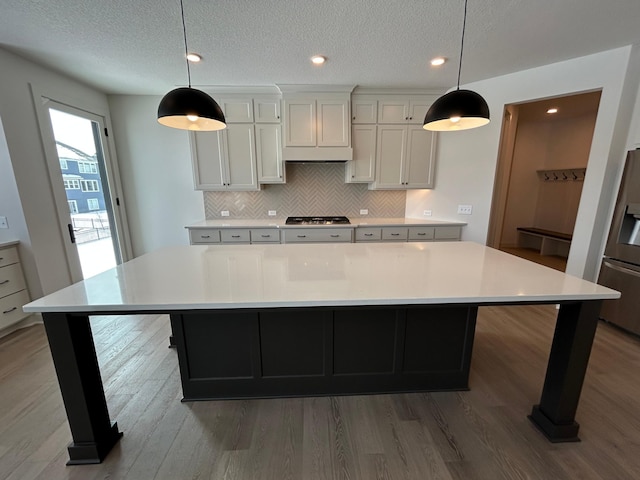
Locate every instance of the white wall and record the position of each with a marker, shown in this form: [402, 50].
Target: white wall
[157, 176]
[29, 204]
[467, 160]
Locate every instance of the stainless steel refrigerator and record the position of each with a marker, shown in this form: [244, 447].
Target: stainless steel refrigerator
[621, 264]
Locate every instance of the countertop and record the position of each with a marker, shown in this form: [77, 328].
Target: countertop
[257, 276]
[355, 222]
[9, 243]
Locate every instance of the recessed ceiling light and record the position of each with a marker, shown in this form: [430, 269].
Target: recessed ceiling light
[552, 110]
[193, 57]
[436, 62]
[318, 59]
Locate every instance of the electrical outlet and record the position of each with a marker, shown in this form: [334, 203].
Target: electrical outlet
[3, 222]
[364, 211]
[224, 213]
[427, 213]
[271, 213]
[465, 209]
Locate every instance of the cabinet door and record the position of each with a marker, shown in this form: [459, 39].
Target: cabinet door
[300, 123]
[393, 111]
[241, 157]
[418, 110]
[390, 150]
[267, 110]
[363, 166]
[364, 111]
[237, 110]
[269, 154]
[208, 158]
[420, 158]
[333, 123]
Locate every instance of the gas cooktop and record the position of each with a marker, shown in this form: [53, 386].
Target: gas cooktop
[316, 220]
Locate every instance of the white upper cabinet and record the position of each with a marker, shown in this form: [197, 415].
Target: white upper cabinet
[404, 110]
[226, 159]
[269, 153]
[405, 158]
[300, 122]
[312, 122]
[362, 168]
[364, 110]
[267, 110]
[237, 110]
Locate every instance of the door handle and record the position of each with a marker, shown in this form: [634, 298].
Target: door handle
[4, 281]
[622, 269]
[72, 236]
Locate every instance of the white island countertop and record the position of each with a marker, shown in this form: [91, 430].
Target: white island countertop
[289, 275]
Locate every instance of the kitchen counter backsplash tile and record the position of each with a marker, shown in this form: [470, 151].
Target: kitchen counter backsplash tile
[311, 189]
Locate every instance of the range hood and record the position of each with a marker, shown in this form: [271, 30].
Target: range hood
[317, 154]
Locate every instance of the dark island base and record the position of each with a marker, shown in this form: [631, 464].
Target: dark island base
[316, 351]
[323, 351]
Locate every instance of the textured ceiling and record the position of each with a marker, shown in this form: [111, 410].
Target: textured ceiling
[136, 46]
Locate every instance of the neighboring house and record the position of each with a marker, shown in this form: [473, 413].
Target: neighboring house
[81, 180]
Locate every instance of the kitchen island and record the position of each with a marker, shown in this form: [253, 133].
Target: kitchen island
[309, 319]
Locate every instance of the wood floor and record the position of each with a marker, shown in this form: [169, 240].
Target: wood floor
[479, 434]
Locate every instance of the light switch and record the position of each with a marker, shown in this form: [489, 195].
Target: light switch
[3, 222]
[465, 209]
[272, 213]
[224, 213]
[364, 211]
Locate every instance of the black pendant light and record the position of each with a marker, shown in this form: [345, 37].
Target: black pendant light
[460, 109]
[187, 108]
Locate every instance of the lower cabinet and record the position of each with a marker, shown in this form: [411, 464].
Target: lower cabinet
[13, 289]
[210, 236]
[404, 234]
[317, 235]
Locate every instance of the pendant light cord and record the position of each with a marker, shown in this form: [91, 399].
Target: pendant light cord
[186, 49]
[464, 24]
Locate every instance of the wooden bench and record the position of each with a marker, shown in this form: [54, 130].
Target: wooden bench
[547, 242]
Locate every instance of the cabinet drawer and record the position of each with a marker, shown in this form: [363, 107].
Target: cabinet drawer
[447, 233]
[8, 256]
[11, 280]
[265, 235]
[395, 233]
[302, 235]
[421, 233]
[11, 308]
[368, 234]
[204, 235]
[239, 235]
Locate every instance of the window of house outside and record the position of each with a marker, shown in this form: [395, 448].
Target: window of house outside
[90, 185]
[73, 206]
[92, 204]
[63, 164]
[72, 184]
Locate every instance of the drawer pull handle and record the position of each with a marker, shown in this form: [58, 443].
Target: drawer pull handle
[368, 234]
[10, 310]
[421, 234]
[235, 236]
[395, 234]
[334, 236]
[4, 281]
[302, 236]
[265, 236]
[205, 236]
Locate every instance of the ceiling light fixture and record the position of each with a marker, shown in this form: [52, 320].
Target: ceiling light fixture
[318, 59]
[460, 109]
[552, 110]
[436, 62]
[186, 108]
[194, 57]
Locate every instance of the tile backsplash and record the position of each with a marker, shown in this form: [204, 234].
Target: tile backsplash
[311, 189]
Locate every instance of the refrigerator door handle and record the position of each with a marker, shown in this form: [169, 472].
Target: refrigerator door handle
[622, 269]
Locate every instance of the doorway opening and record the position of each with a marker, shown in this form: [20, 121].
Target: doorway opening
[542, 161]
[81, 156]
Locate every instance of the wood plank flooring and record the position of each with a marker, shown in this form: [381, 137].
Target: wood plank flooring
[479, 434]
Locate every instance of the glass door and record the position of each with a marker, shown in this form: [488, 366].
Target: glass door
[81, 156]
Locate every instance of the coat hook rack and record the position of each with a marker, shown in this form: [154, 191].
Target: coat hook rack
[562, 175]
